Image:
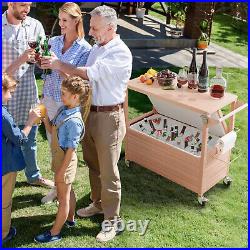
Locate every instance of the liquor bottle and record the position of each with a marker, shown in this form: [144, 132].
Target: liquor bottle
[176, 132]
[172, 134]
[203, 75]
[37, 50]
[180, 137]
[165, 125]
[188, 139]
[197, 135]
[192, 73]
[193, 67]
[152, 126]
[183, 130]
[218, 84]
[46, 52]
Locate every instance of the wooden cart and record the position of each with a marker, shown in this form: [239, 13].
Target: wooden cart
[196, 173]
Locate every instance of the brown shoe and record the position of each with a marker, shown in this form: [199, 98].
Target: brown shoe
[43, 183]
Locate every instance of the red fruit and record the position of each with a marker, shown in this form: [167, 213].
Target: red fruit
[143, 78]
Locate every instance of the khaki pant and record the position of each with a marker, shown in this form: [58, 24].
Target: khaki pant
[58, 157]
[101, 149]
[8, 184]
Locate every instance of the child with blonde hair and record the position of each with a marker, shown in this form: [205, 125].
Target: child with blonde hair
[67, 129]
[12, 161]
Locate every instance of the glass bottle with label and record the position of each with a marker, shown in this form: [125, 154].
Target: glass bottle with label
[192, 73]
[180, 138]
[46, 53]
[203, 75]
[218, 84]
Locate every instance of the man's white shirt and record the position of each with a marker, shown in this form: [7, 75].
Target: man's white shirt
[109, 69]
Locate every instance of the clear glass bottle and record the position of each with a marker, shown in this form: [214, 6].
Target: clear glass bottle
[218, 84]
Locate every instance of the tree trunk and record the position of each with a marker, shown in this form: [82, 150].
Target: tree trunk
[195, 13]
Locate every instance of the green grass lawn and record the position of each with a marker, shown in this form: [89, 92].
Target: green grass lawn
[176, 219]
[226, 32]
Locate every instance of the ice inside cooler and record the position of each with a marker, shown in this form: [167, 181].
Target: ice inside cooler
[176, 117]
[173, 132]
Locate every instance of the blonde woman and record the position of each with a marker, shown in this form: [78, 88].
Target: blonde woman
[70, 47]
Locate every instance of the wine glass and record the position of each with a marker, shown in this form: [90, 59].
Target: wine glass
[32, 44]
[192, 80]
[182, 79]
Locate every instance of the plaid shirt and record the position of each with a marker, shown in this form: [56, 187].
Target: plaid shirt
[14, 43]
[76, 55]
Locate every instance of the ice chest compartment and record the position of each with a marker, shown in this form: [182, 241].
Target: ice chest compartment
[176, 116]
[186, 115]
[182, 166]
[168, 130]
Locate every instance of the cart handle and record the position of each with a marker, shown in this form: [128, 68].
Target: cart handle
[239, 105]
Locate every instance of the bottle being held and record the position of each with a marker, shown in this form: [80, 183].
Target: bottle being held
[37, 49]
[192, 73]
[46, 52]
[203, 75]
[218, 84]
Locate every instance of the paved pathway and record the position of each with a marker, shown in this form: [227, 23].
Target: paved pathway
[163, 57]
[130, 28]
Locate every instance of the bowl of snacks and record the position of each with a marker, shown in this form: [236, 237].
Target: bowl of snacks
[166, 79]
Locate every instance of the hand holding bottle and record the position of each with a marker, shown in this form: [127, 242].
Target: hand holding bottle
[49, 62]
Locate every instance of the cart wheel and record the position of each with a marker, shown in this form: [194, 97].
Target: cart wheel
[227, 181]
[127, 163]
[202, 200]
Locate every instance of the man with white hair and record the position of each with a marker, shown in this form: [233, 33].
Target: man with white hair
[108, 70]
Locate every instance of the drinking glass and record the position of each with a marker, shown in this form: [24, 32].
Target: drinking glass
[42, 108]
[32, 44]
[192, 80]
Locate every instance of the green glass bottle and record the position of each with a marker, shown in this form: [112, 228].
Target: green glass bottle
[46, 52]
[37, 49]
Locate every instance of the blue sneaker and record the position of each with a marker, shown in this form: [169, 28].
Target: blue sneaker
[10, 236]
[46, 237]
[70, 224]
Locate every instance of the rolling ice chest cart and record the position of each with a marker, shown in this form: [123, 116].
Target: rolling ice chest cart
[198, 112]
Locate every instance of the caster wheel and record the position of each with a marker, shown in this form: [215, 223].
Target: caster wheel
[127, 162]
[227, 181]
[202, 200]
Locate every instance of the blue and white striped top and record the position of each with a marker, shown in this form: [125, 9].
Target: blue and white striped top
[76, 55]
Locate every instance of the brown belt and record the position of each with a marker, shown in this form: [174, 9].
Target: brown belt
[106, 108]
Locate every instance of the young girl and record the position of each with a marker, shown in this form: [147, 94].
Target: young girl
[12, 160]
[66, 130]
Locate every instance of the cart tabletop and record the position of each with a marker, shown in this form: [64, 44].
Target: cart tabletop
[188, 98]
